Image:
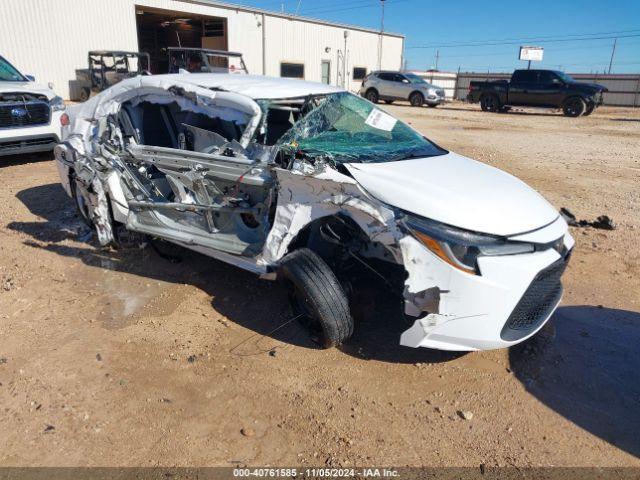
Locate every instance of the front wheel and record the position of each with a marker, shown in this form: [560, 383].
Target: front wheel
[317, 298]
[574, 107]
[589, 110]
[416, 99]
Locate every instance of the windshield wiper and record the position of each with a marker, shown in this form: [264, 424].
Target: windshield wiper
[409, 156]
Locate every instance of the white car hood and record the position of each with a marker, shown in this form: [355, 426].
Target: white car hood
[458, 191]
[28, 87]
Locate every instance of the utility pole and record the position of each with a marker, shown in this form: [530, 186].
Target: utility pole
[282, 7]
[381, 32]
[344, 60]
[613, 51]
[437, 58]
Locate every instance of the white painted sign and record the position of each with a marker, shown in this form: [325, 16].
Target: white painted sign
[531, 53]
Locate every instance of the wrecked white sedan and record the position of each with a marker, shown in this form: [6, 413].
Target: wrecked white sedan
[319, 188]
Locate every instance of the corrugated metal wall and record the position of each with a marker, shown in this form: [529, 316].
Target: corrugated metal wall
[50, 38]
[624, 89]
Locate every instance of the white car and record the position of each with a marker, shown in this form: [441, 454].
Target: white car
[29, 113]
[317, 187]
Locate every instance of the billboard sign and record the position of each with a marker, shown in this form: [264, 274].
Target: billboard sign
[531, 53]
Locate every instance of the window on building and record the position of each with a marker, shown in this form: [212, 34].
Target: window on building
[359, 73]
[292, 70]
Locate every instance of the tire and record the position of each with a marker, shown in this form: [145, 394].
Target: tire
[416, 99]
[589, 110]
[81, 206]
[317, 297]
[490, 103]
[388, 102]
[85, 93]
[574, 107]
[372, 95]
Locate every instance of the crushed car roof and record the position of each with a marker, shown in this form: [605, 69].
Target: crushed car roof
[255, 86]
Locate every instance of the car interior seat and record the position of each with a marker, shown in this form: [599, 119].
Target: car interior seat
[278, 122]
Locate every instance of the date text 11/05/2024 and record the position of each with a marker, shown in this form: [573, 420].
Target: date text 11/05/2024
[316, 472]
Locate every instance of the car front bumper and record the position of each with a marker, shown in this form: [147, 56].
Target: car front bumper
[434, 99]
[40, 138]
[512, 298]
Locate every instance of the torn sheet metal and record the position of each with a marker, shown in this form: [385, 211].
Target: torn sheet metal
[305, 198]
[100, 213]
[162, 89]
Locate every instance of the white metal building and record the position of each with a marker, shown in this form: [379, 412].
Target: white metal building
[50, 39]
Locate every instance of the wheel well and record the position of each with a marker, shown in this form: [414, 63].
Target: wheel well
[572, 97]
[353, 256]
[335, 234]
[313, 232]
[374, 89]
[489, 94]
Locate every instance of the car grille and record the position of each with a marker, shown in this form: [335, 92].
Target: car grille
[537, 302]
[24, 114]
[15, 146]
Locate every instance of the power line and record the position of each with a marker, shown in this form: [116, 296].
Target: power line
[542, 39]
[354, 7]
[339, 5]
[511, 51]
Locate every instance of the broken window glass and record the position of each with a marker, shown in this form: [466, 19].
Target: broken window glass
[347, 128]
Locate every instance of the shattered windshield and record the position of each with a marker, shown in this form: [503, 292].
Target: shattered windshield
[8, 73]
[347, 128]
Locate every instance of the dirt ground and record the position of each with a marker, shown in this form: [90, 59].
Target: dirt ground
[123, 358]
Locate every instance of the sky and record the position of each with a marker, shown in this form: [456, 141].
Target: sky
[474, 35]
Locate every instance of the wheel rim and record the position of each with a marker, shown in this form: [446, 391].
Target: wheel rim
[489, 103]
[81, 204]
[573, 107]
[415, 100]
[372, 97]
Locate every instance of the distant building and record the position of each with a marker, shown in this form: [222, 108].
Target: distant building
[50, 39]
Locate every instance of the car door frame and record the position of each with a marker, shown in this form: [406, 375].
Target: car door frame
[519, 91]
[549, 93]
[192, 170]
[385, 87]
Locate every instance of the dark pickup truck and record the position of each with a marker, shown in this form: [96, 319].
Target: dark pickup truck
[538, 88]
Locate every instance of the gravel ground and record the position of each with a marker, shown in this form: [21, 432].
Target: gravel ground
[122, 358]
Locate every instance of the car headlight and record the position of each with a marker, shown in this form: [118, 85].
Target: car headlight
[461, 248]
[57, 104]
[432, 91]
